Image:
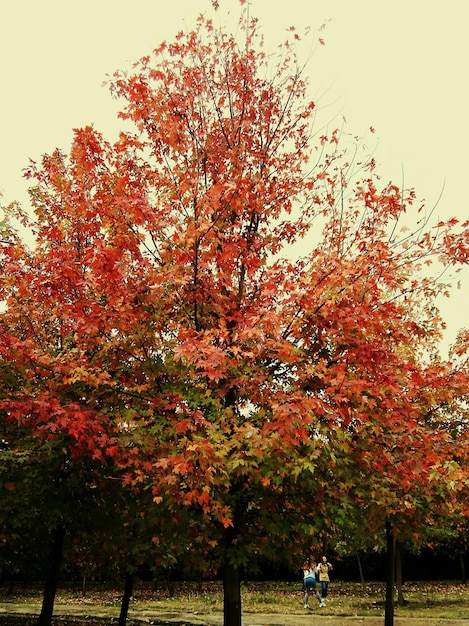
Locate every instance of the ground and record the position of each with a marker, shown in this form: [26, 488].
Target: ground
[258, 619]
[264, 604]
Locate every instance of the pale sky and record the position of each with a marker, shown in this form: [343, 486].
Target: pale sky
[400, 66]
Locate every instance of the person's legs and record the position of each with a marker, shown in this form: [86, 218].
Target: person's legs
[324, 588]
[318, 596]
[307, 590]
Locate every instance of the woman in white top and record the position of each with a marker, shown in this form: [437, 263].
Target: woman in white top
[309, 583]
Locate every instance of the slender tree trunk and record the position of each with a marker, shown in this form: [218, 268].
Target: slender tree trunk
[231, 574]
[231, 595]
[462, 565]
[52, 578]
[389, 608]
[129, 586]
[400, 594]
[360, 568]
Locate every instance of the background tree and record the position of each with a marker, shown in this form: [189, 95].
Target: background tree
[57, 440]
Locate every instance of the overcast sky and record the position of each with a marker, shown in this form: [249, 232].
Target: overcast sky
[400, 66]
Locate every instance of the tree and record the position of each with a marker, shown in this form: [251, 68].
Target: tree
[407, 480]
[239, 301]
[57, 441]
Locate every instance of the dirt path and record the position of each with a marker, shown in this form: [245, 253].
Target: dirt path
[269, 619]
[334, 620]
[162, 618]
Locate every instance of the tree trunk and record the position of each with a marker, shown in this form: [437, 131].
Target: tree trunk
[360, 568]
[52, 578]
[389, 608]
[129, 586]
[231, 595]
[400, 594]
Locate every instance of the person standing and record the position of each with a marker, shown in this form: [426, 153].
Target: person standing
[324, 568]
[309, 583]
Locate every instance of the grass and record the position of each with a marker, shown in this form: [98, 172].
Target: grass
[445, 600]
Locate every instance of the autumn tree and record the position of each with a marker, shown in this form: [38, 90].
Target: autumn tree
[237, 307]
[58, 441]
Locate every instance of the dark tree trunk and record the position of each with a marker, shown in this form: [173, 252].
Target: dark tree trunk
[389, 607]
[400, 593]
[231, 573]
[129, 586]
[231, 595]
[360, 568]
[52, 577]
